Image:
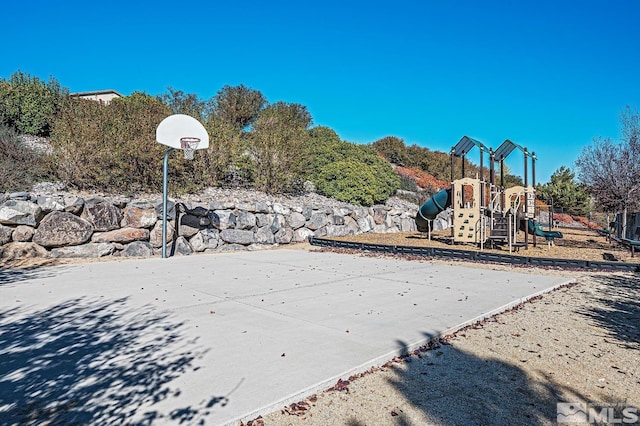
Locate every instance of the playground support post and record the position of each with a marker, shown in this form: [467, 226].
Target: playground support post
[533, 183]
[526, 204]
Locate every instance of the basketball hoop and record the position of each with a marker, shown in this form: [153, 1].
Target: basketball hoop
[189, 146]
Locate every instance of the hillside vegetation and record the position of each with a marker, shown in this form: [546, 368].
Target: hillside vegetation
[272, 147]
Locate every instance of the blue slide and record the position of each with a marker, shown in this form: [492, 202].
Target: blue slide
[431, 208]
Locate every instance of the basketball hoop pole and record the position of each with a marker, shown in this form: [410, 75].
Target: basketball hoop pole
[165, 178]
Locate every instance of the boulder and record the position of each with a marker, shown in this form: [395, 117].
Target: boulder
[352, 225]
[379, 214]
[408, 225]
[264, 219]
[278, 222]
[59, 229]
[284, 235]
[364, 224]
[155, 236]
[22, 233]
[197, 243]
[302, 234]
[237, 236]
[210, 238]
[223, 219]
[337, 219]
[232, 247]
[183, 248]
[19, 212]
[103, 215]
[335, 230]
[261, 207]
[317, 220]
[49, 204]
[122, 235]
[137, 249]
[20, 195]
[73, 204]
[296, 220]
[189, 225]
[120, 201]
[18, 251]
[140, 214]
[171, 210]
[264, 235]
[91, 250]
[280, 209]
[245, 220]
[6, 234]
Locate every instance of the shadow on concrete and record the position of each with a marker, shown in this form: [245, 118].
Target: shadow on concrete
[617, 309]
[14, 275]
[94, 362]
[453, 387]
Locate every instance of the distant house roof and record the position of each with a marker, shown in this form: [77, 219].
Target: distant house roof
[98, 95]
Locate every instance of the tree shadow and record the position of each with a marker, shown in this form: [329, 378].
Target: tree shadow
[94, 362]
[454, 387]
[13, 275]
[618, 310]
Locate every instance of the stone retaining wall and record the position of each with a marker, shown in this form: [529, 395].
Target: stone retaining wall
[75, 225]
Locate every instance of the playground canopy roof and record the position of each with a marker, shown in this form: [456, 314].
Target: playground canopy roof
[505, 149]
[466, 144]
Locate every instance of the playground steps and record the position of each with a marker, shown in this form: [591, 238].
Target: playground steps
[500, 231]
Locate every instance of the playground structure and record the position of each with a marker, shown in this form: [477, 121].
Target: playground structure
[487, 213]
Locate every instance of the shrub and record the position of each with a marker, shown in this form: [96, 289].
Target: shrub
[20, 167]
[349, 181]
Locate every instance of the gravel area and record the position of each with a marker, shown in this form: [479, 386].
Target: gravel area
[579, 343]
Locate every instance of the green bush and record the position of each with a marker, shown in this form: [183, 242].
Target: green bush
[29, 104]
[20, 167]
[349, 181]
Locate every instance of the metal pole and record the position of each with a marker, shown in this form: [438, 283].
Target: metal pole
[533, 183]
[526, 206]
[165, 178]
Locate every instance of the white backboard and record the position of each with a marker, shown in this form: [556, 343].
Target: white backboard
[177, 126]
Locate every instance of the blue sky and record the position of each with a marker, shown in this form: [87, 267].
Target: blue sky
[549, 75]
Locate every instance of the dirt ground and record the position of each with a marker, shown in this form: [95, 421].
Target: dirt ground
[583, 244]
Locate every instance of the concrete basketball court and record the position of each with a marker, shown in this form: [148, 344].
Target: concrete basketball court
[213, 339]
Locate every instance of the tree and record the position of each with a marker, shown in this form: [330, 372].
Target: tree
[29, 104]
[565, 192]
[611, 169]
[186, 103]
[238, 105]
[276, 146]
[393, 149]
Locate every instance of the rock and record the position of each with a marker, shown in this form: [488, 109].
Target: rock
[296, 220]
[284, 236]
[264, 235]
[49, 204]
[237, 236]
[197, 243]
[233, 247]
[210, 238]
[183, 248]
[171, 210]
[18, 251]
[6, 234]
[90, 250]
[264, 219]
[261, 207]
[189, 225]
[280, 209]
[73, 204]
[198, 211]
[307, 211]
[18, 212]
[120, 201]
[308, 187]
[48, 187]
[155, 236]
[336, 230]
[103, 215]
[364, 224]
[59, 229]
[351, 224]
[223, 219]
[408, 225]
[122, 235]
[137, 249]
[19, 196]
[278, 222]
[245, 220]
[379, 214]
[22, 233]
[249, 207]
[302, 234]
[380, 229]
[321, 232]
[337, 219]
[317, 220]
[140, 214]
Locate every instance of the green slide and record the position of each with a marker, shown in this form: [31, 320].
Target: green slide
[430, 209]
[536, 229]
